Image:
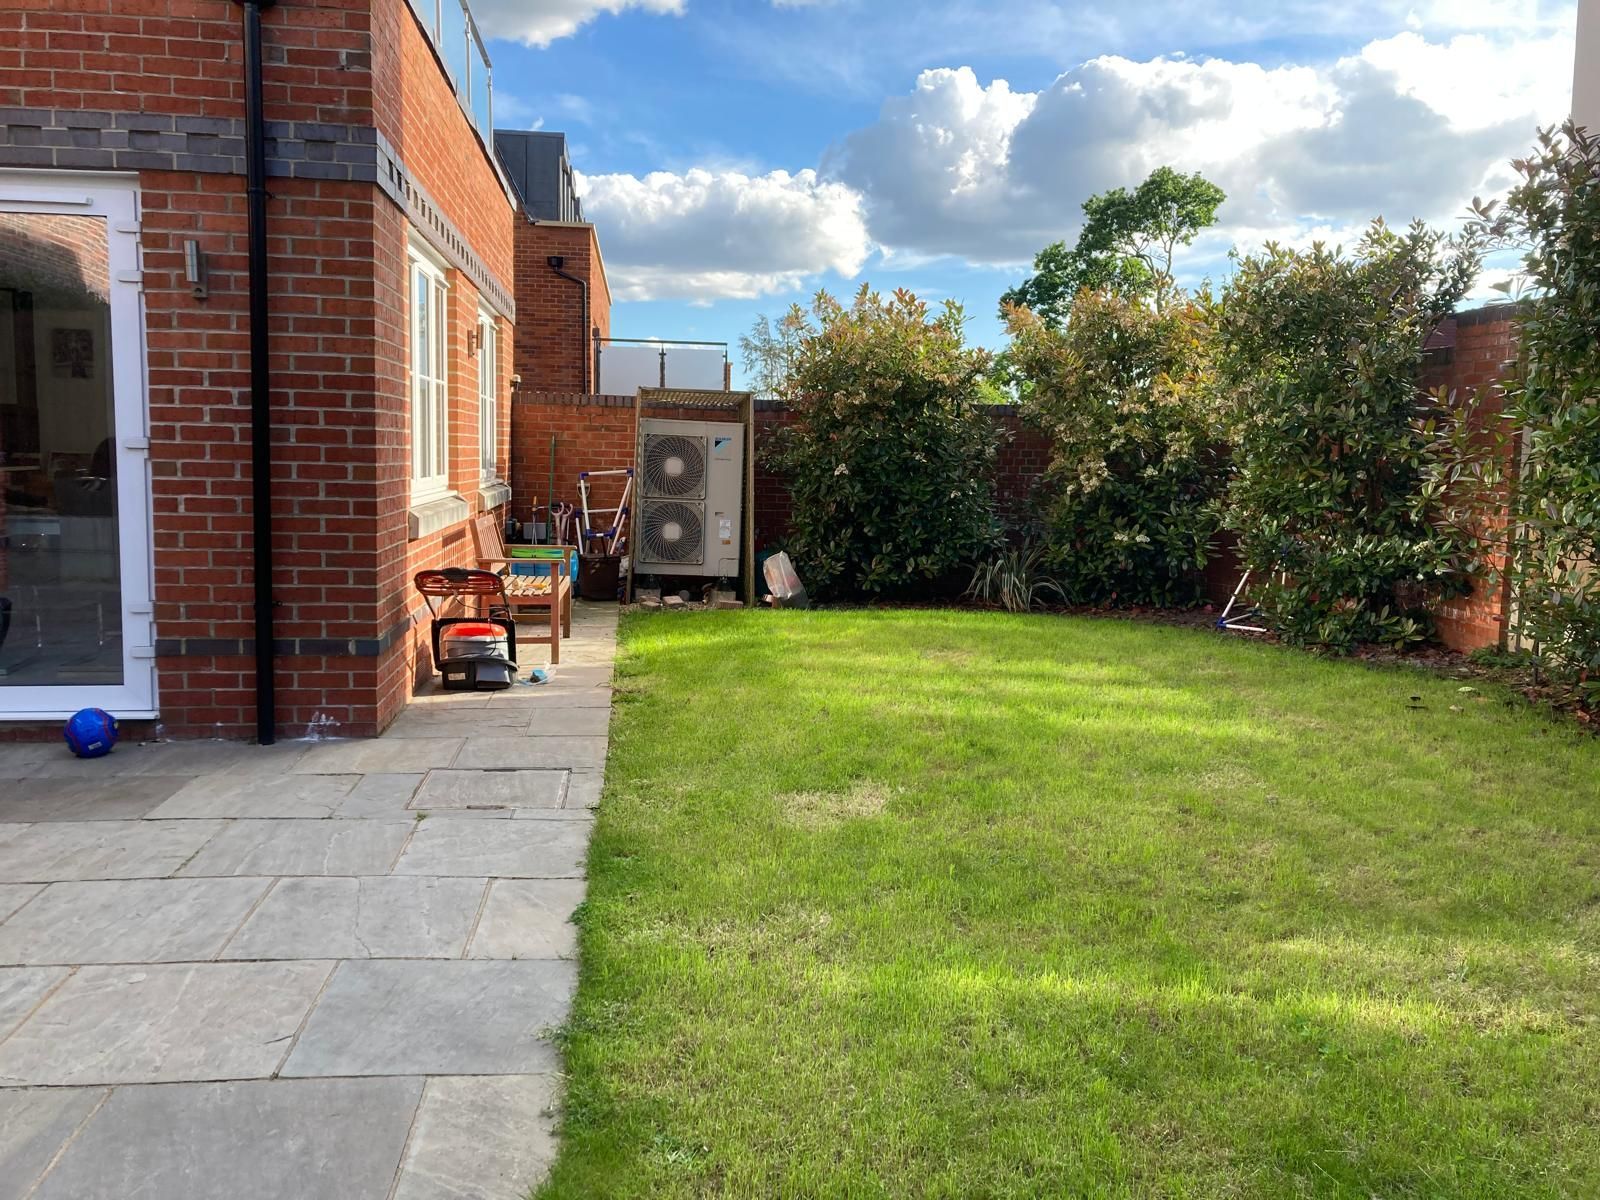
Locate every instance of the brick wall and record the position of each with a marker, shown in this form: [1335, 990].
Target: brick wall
[595, 433]
[1470, 352]
[369, 150]
[58, 251]
[179, 59]
[555, 345]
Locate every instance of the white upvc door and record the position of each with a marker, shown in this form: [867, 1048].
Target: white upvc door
[75, 528]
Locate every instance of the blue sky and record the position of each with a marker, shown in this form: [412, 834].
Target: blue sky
[739, 154]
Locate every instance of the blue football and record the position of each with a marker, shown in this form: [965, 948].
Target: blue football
[90, 732]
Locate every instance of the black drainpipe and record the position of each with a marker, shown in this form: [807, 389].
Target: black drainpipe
[556, 264]
[255, 136]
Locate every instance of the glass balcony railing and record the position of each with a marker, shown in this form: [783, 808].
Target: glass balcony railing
[454, 34]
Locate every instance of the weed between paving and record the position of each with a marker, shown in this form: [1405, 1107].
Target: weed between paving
[954, 904]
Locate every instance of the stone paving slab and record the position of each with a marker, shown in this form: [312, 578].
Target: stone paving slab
[300, 848]
[267, 762]
[529, 918]
[432, 695]
[584, 789]
[184, 757]
[51, 852]
[314, 1139]
[440, 720]
[17, 759]
[522, 752]
[128, 921]
[34, 1124]
[133, 759]
[22, 989]
[14, 895]
[387, 1017]
[571, 687]
[382, 796]
[298, 796]
[499, 849]
[561, 721]
[379, 754]
[491, 789]
[170, 1022]
[480, 1137]
[342, 913]
[87, 798]
[379, 917]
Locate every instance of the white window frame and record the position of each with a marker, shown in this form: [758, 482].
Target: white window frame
[428, 376]
[488, 395]
[116, 199]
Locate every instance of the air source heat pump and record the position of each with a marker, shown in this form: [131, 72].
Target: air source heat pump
[691, 492]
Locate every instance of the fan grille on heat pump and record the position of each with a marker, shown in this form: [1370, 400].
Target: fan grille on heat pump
[674, 465]
[673, 532]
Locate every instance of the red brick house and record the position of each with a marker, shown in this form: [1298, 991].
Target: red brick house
[130, 533]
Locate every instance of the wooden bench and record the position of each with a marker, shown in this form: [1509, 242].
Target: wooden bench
[551, 593]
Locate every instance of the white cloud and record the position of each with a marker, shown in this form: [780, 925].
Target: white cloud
[703, 235]
[540, 22]
[867, 48]
[1475, 80]
[1403, 128]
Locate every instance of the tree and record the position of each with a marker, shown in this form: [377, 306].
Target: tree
[1134, 470]
[769, 350]
[1333, 443]
[1126, 245]
[889, 457]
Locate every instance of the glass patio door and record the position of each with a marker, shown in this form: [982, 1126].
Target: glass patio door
[75, 542]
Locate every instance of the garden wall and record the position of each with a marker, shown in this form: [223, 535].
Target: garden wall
[1472, 352]
[595, 433]
[592, 433]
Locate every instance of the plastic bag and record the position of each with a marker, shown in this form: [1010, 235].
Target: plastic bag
[783, 582]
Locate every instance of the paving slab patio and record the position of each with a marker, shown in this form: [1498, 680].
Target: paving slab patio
[380, 916]
[128, 921]
[315, 969]
[482, 1135]
[491, 789]
[313, 1139]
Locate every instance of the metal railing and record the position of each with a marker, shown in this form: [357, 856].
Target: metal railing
[689, 369]
[450, 27]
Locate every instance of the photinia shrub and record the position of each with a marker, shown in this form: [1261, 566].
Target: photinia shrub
[1554, 403]
[890, 456]
[1135, 470]
[1318, 355]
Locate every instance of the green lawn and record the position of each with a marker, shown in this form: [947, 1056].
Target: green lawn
[933, 904]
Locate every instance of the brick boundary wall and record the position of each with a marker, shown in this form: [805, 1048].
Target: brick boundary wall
[1472, 351]
[595, 433]
[1475, 351]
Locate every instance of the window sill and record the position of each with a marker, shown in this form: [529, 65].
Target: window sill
[431, 516]
[493, 493]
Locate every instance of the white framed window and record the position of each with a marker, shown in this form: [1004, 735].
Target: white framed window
[488, 395]
[430, 391]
